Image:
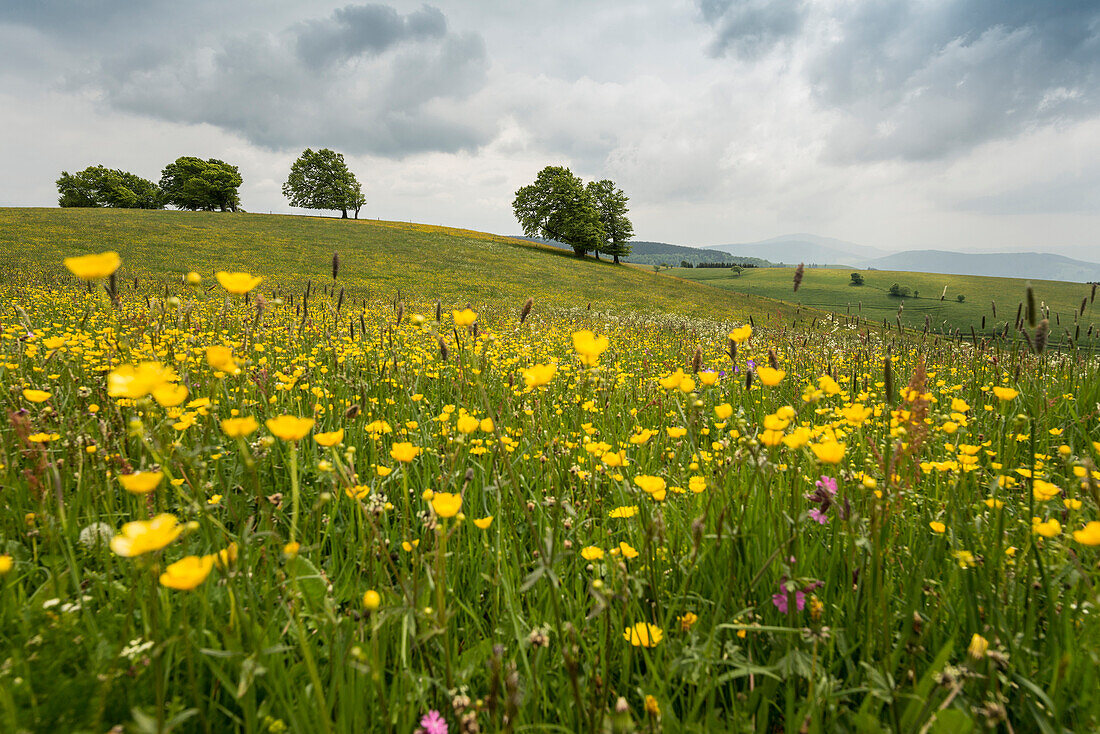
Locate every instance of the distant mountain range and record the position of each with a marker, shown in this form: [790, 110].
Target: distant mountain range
[816, 250]
[812, 249]
[804, 248]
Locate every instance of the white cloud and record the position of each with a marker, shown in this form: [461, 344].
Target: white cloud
[895, 125]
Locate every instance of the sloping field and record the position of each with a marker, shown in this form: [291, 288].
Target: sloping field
[831, 290]
[378, 259]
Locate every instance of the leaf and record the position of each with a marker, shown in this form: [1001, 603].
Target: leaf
[952, 721]
[532, 578]
[250, 670]
[309, 581]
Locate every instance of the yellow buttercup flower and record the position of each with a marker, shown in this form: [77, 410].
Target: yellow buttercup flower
[723, 411]
[687, 620]
[625, 512]
[227, 556]
[465, 317]
[1089, 535]
[137, 381]
[1048, 529]
[643, 634]
[937, 526]
[145, 536]
[36, 396]
[484, 522]
[239, 427]
[372, 600]
[1005, 393]
[649, 484]
[539, 375]
[141, 482]
[1043, 490]
[289, 427]
[671, 382]
[221, 358]
[446, 504]
[187, 573]
[589, 346]
[829, 452]
[467, 424]
[592, 553]
[855, 414]
[93, 267]
[628, 550]
[332, 438]
[170, 395]
[614, 458]
[237, 283]
[741, 334]
[770, 376]
[6, 564]
[404, 452]
[978, 647]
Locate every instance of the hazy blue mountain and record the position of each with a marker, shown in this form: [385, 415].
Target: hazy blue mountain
[816, 250]
[804, 248]
[1034, 265]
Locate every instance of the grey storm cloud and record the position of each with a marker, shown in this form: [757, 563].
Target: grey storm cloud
[751, 28]
[924, 81]
[366, 79]
[365, 29]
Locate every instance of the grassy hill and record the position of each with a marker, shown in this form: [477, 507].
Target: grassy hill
[831, 290]
[378, 259]
[1001, 264]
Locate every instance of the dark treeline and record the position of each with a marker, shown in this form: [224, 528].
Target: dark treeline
[743, 266]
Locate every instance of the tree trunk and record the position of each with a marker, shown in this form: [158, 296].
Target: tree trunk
[616, 259]
[579, 251]
[596, 253]
[345, 214]
[357, 211]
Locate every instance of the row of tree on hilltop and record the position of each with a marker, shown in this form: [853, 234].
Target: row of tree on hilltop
[589, 218]
[318, 180]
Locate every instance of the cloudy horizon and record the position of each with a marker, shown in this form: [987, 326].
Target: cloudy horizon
[951, 125]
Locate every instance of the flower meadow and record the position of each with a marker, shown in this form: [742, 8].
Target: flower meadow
[239, 503]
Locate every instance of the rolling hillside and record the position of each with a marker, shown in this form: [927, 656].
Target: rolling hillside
[419, 263]
[831, 289]
[808, 248]
[1001, 264]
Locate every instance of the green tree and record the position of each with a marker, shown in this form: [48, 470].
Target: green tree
[99, 186]
[197, 185]
[857, 279]
[610, 203]
[321, 180]
[557, 206]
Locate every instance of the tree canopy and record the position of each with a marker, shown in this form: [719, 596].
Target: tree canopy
[198, 185]
[558, 206]
[321, 180]
[99, 186]
[610, 204]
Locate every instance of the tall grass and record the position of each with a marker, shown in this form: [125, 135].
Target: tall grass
[947, 585]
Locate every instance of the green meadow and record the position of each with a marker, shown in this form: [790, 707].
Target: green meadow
[831, 290]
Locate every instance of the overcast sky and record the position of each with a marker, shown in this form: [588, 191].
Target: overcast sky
[914, 123]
